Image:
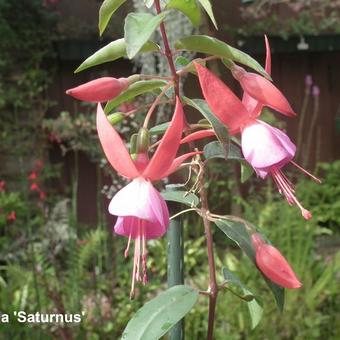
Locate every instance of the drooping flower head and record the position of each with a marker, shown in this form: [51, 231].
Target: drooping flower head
[273, 265]
[266, 148]
[142, 212]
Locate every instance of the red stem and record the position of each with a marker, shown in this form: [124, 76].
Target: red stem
[167, 49]
[213, 287]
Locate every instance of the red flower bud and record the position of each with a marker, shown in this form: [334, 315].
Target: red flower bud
[2, 186]
[273, 265]
[11, 217]
[34, 187]
[99, 90]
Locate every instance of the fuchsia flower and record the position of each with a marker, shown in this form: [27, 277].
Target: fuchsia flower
[142, 212]
[99, 90]
[266, 148]
[273, 265]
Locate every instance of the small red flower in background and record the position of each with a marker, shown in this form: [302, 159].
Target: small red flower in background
[34, 187]
[11, 217]
[33, 175]
[2, 186]
[273, 265]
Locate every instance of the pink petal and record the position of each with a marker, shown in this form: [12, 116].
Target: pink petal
[268, 66]
[113, 147]
[166, 151]
[198, 135]
[222, 101]
[99, 90]
[264, 146]
[251, 104]
[263, 91]
[139, 202]
[178, 161]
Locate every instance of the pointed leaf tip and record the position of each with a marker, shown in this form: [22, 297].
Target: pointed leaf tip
[114, 148]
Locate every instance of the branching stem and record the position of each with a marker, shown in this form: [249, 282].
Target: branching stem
[213, 287]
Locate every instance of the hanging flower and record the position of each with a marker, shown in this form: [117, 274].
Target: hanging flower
[142, 212]
[266, 148]
[99, 90]
[273, 265]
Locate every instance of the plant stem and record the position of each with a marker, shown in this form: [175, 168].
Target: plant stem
[167, 50]
[154, 104]
[213, 288]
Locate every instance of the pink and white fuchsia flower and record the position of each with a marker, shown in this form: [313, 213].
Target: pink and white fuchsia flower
[142, 213]
[267, 149]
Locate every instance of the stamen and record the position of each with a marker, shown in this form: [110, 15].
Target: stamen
[138, 255]
[283, 183]
[126, 252]
[317, 180]
[144, 255]
[134, 268]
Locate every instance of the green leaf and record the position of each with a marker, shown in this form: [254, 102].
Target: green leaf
[160, 314]
[232, 280]
[246, 171]
[220, 130]
[138, 29]
[255, 310]
[133, 91]
[106, 10]
[188, 8]
[179, 196]
[213, 46]
[236, 229]
[159, 129]
[207, 7]
[215, 150]
[237, 232]
[114, 50]
[181, 62]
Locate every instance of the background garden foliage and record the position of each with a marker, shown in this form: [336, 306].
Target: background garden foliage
[50, 262]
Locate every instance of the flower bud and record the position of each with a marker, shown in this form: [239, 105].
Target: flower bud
[273, 265]
[115, 118]
[133, 146]
[143, 140]
[99, 90]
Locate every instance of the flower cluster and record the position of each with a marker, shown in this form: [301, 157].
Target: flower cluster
[34, 180]
[141, 212]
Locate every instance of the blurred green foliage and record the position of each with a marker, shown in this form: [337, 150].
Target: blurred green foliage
[72, 268]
